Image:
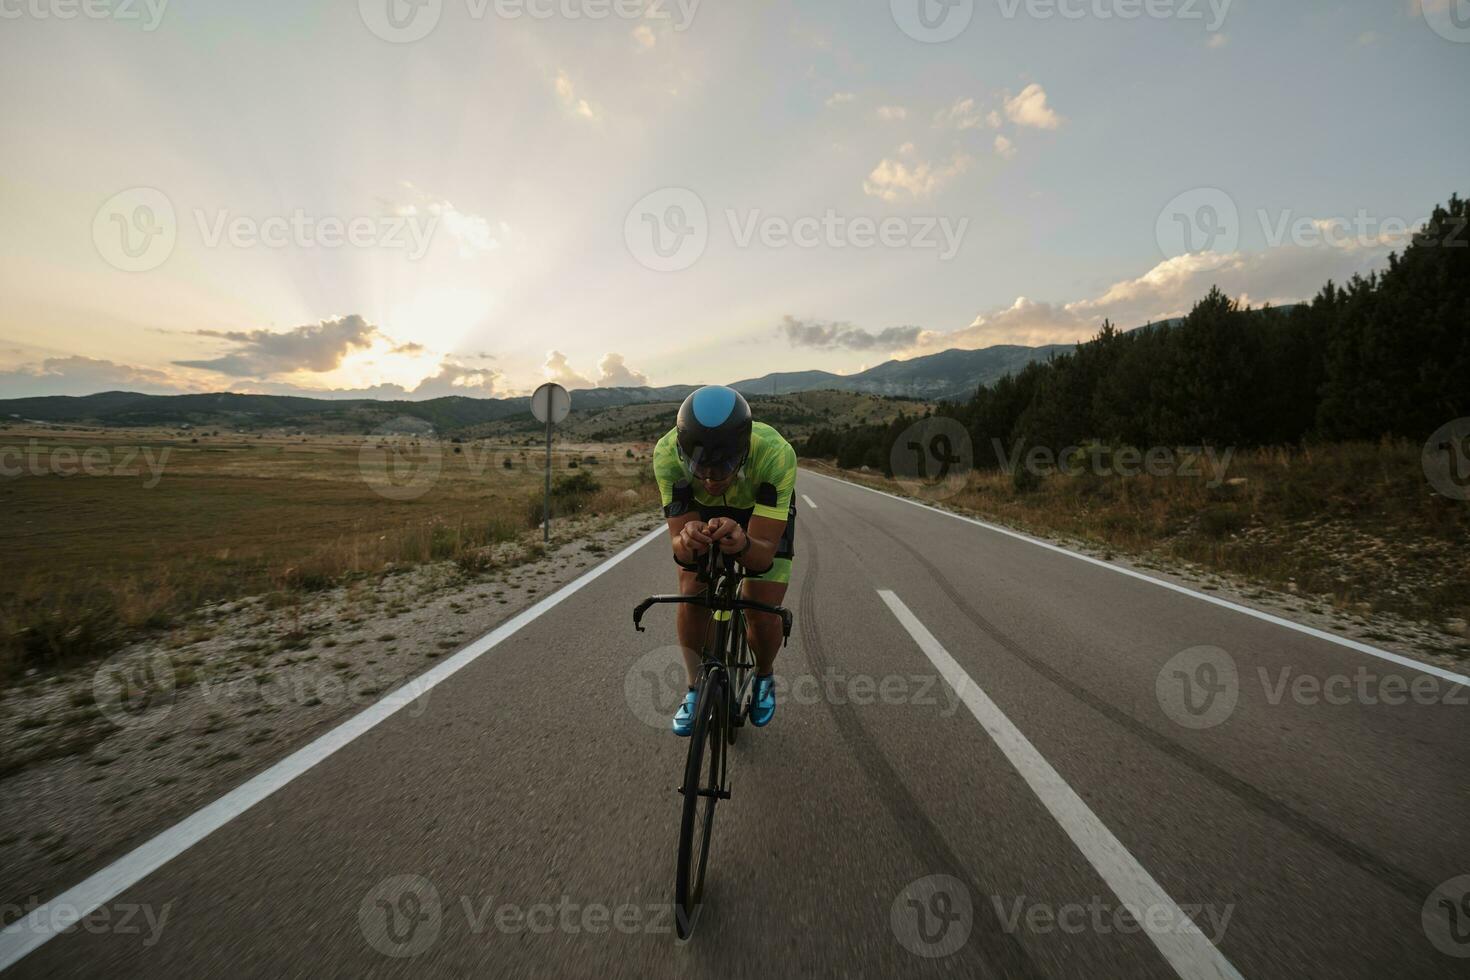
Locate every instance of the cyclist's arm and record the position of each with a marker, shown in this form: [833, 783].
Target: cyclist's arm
[765, 536]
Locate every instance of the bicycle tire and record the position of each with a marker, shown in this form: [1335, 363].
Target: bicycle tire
[702, 771]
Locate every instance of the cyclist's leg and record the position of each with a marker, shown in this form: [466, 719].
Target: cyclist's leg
[692, 625]
[763, 630]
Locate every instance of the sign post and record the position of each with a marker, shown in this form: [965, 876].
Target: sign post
[550, 404]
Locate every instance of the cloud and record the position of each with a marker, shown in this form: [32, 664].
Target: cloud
[316, 347]
[567, 92]
[473, 233]
[614, 373]
[1171, 288]
[1004, 147]
[820, 334]
[1030, 109]
[84, 376]
[457, 379]
[962, 115]
[891, 113]
[557, 369]
[892, 179]
[408, 348]
[839, 98]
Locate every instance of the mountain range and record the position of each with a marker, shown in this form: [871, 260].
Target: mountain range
[949, 375]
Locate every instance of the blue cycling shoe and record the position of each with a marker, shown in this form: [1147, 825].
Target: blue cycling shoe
[684, 717]
[763, 701]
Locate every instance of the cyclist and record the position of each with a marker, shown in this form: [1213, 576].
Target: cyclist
[729, 482]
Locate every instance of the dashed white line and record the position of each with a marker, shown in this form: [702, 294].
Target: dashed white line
[1186, 949]
[809, 501]
[66, 909]
[1372, 651]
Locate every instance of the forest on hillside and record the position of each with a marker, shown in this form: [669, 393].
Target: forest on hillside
[1387, 355]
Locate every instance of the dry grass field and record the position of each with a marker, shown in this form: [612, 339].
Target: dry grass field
[108, 533]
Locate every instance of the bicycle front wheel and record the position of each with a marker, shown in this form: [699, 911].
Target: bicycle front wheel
[702, 779]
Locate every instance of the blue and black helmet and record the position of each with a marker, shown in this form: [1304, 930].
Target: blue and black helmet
[714, 432]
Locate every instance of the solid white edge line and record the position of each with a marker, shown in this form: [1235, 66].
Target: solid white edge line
[66, 909]
[809, 501]
[1372, 651]
[1186, 948]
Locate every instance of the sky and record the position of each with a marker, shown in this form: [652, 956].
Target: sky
[414, 198]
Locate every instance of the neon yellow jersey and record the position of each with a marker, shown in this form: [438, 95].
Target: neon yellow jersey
[763, 486]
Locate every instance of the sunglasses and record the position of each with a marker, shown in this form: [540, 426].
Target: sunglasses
[715, 470]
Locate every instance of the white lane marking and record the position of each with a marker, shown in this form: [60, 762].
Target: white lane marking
[809, 501]
[1440, 672]
[1186, 948]
[63, 911]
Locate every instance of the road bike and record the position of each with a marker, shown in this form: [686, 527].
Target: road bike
[726, 675]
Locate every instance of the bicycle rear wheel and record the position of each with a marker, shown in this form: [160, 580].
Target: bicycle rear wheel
[702, 786]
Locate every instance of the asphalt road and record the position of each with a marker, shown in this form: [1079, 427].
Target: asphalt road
[990, 759]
